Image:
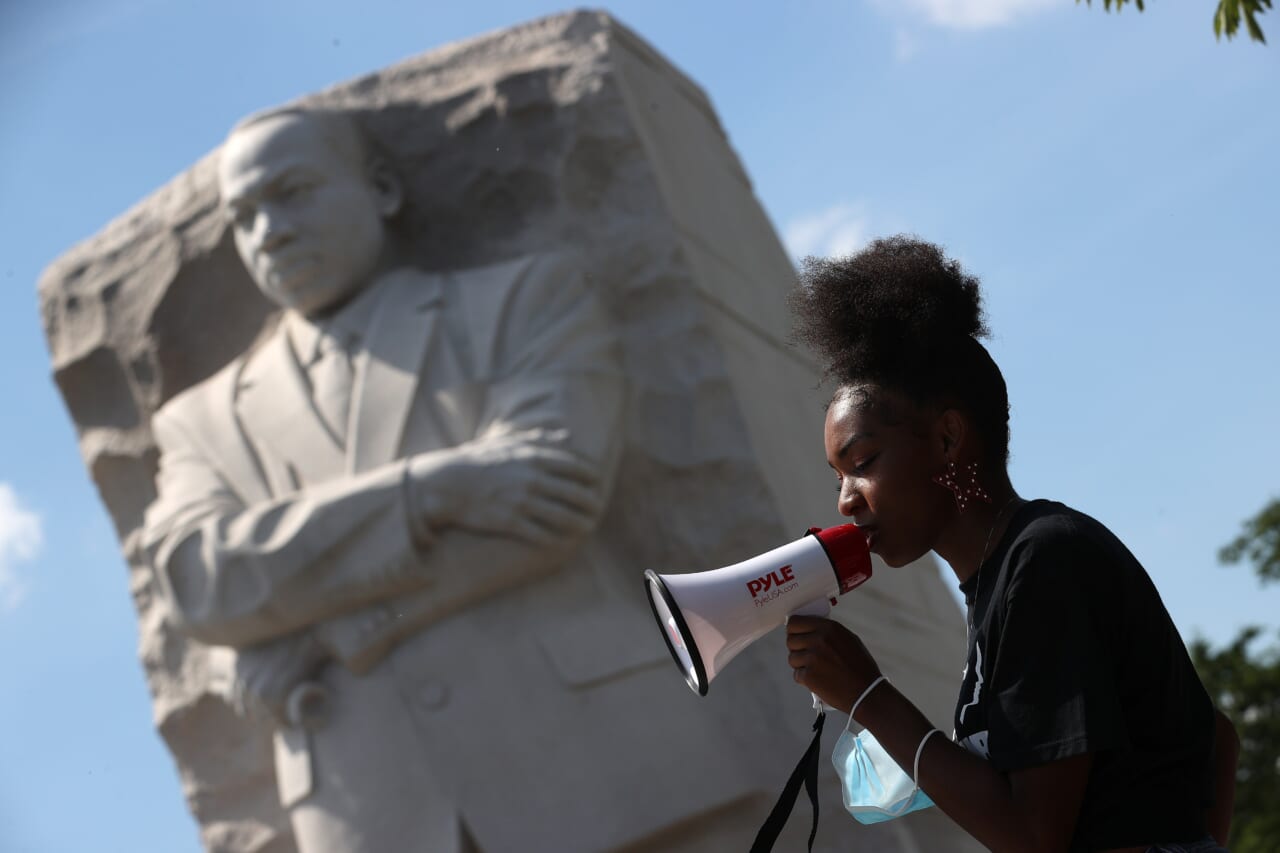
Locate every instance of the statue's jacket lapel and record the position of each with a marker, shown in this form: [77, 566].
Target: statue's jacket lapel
[279, 421]
[389, 368]
[277, 418]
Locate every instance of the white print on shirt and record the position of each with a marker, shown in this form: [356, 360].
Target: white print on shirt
[977, 678]
[976, 743]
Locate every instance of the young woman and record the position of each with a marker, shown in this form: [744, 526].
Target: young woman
[1081, 724]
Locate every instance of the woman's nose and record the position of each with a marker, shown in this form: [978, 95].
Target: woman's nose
[849, 499]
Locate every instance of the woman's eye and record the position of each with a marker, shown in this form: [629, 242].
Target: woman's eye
[863, 466]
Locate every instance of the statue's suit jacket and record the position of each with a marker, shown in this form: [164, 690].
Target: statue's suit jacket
[473, 677]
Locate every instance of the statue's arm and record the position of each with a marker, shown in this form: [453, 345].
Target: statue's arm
[451, 526]
[550, 355]
[237, 574]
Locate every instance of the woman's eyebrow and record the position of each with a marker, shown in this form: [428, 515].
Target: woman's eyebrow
[850, 442]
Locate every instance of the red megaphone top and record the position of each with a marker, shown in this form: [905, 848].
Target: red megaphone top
[846, 548]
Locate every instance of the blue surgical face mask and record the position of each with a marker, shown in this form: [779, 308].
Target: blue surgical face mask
[874, 787]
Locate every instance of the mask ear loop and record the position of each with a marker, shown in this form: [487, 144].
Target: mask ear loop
[915, 775]
[915, 766]
[854, 709]
[915, 770]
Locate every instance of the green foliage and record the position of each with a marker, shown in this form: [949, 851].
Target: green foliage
[1259, 543]
[1247, 688]
[1227, 18]
[1226, 21]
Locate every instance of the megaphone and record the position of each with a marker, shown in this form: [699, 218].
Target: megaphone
[707, 618]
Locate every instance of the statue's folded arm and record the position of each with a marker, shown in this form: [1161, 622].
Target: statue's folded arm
[239, 574]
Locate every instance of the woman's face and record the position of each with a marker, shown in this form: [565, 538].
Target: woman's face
[885, 452]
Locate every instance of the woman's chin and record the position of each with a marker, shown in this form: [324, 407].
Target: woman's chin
[896, 559]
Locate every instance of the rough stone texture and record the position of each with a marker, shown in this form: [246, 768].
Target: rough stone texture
[567, 130]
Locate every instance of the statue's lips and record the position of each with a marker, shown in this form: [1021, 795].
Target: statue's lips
[291, 269]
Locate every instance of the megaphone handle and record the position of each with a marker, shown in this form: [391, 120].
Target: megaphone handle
[817, 607]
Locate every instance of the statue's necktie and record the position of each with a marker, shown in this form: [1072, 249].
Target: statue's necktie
[331, 375]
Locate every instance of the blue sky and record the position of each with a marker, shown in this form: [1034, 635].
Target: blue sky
[1112, 179]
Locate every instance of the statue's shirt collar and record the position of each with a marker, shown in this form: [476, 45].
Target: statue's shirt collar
[346, 328]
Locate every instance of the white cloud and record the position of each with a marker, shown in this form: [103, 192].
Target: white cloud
[841, 229]
[969, 14]
[905, 45]
[21, 537]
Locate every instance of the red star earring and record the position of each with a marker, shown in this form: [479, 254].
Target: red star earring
[964, 492]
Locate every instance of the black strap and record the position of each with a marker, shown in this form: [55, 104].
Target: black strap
[807, 772]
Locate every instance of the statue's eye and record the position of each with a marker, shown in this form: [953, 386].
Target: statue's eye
[293, 191]
[241, 217]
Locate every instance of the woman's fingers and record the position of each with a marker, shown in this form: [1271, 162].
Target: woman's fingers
[805, 632]
[806, 624]
[828, 659]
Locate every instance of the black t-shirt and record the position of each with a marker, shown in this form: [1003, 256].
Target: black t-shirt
[1072, 651]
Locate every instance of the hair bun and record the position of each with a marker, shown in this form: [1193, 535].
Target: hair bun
[900, 301]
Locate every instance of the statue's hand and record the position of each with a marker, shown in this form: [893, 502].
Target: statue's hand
[516, 485]
[263, 675]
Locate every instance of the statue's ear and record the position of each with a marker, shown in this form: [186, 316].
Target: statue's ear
[387, 187]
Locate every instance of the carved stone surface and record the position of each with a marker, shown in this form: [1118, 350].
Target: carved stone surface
[566, 133]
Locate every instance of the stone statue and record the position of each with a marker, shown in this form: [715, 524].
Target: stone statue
[386, 527]
[347, 504]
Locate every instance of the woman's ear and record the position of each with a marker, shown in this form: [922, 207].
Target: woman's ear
[952, 430]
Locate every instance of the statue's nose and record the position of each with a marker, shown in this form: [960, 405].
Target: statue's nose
[274, 230]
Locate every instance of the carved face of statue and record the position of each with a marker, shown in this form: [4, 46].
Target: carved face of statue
[308, 213]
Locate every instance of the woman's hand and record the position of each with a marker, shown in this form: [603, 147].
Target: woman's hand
[829, 660]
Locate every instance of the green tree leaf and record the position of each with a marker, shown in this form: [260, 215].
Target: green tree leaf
[1226, 19]
[1251, 10]
[1258, 543]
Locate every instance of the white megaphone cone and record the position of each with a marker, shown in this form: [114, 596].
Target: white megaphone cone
[707, 618]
